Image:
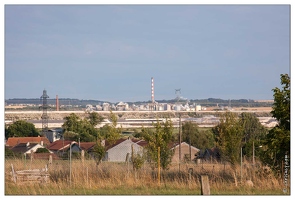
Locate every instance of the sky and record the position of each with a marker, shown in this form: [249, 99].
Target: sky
[111, 52]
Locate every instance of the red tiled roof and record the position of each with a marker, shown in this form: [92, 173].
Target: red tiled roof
[59, 144]
[115, 144]
[135, 140]
[87, 145]
[13, 141]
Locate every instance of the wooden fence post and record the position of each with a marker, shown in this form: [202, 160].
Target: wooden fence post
[13, 173]
[50, 159]
[205, 187]
[190, 171]
[83, 157]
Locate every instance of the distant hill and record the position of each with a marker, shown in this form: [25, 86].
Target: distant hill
[62, 101]
[203, 102]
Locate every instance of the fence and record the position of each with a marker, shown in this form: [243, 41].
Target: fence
[39, 175]
[77, 171]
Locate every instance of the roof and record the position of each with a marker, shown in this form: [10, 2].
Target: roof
[115, 144]
[86, 145]
[23, 147]
[13, 141]
[142, 143]
[184, 143]
[59, 145]
[134, 140]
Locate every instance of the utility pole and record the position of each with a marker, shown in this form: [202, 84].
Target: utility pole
[179, 140]
[70, 163]
[253, 154]
[241, 163]
[44, 117]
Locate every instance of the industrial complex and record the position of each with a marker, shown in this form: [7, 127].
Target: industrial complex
[130, 115]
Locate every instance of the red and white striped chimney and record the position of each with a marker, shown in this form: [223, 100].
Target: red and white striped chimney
[153, 96]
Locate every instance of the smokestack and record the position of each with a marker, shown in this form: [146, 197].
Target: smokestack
[57, 104]
[153, 97]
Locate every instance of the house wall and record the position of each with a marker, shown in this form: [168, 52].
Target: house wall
[75, 148]
[184, 150]
[52, 136]
[118, 153]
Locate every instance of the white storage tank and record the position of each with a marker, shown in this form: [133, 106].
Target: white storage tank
[167, 107]
[177, 107]
[198, 108]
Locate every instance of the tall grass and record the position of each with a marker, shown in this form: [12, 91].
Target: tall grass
[119, 178]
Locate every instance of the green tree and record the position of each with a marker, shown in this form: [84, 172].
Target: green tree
[205, 139]
[21, 128]
[71, 123]
[85, 131]
[277, 141]
[98, 152]
[94, 118]
[192, 135]
[229, 134]
[137, 160]
[42, 150]
[161, 136]
[70, 135]
[253, 132]
[189, 132]
[112, 133]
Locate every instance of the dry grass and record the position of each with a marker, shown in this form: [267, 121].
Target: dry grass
[119, 178]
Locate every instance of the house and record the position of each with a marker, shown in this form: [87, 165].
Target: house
[13, 141]
[122, 149]
[54, 134]
[27, 148]
[187, 152]
[60, 147]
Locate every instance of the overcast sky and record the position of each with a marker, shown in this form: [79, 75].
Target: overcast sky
[110, 52]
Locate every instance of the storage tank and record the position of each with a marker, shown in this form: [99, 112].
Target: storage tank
[167, 107]
[177, 107]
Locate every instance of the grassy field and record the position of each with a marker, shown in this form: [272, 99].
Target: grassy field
[120, 179]
[55, 189]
